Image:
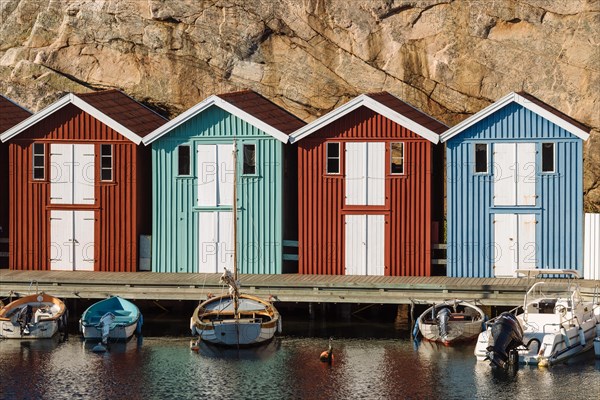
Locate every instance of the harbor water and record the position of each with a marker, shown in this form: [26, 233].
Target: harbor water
[372, 360]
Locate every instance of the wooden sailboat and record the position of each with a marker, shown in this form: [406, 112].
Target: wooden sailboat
[235, 319]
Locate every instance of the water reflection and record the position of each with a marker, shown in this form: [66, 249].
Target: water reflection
[286, 368]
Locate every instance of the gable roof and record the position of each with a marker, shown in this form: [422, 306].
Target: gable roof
[531, 103]
[11, 113]
[246, 105]
[385, 104]
[111, 107]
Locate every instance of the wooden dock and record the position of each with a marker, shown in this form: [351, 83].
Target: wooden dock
[285, 288]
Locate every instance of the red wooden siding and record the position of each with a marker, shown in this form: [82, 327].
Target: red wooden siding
[407, 207]
[116, 228]
[3, 192]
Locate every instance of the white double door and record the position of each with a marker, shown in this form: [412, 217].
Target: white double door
[514, 174]
[72, 174]
[72, 240]
[365, 173]
[215, 241]
[365, 244]
[514, 243]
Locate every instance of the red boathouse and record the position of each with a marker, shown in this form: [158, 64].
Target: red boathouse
[365, 189]
[80, 183]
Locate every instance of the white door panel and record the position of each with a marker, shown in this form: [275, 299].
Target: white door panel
[504, 174]
[355, 244]
[225, 174]
[356, 173]
[207, 242]
[225, 245]
[206, 164]
[61, 170]
[83, 240]
[527, 243]
[83, 174]
[525, 186]
[505, 244]
[375, 245]
[376, 174]
[61, 245]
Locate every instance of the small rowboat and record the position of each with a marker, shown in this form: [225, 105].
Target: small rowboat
[37, 316]
[111, 319]
[451, 322]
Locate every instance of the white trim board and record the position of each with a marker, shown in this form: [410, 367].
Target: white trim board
[369, 102]
[510, 98]
[77, 102]
[222, 104]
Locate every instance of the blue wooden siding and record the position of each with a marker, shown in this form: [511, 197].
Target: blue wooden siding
[175, 213]
[470, 210]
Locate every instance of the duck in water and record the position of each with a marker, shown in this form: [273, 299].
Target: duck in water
[327, 355]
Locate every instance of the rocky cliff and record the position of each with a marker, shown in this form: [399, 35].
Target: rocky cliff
[449, 58]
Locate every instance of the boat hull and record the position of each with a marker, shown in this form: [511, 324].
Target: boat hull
[119, 332]
[461, 326]
[457, 332]
[213, 321]
[125, 320]
[546, 348]
[47, 316]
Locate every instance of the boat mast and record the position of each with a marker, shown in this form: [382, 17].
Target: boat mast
[235, 269]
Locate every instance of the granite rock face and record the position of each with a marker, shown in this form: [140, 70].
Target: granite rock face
[449, 58]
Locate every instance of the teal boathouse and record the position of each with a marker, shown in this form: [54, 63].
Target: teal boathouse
[193, 176]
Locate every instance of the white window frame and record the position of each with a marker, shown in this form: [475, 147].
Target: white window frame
[255, 159]
[553, 158]
[33, 156]
[392, 159]
[487, 159]
[338, 158]
[112, 164]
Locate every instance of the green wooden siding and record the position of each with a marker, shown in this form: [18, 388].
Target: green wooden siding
[175, 212]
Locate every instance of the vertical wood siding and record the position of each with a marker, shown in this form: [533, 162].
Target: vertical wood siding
[116, 227]
[175, 213]
[4, 192]
[559, 203]
[407, 207]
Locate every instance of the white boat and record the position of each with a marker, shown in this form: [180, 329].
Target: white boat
[556, 324]
[451, 322]
[37, 316]
[235, 319]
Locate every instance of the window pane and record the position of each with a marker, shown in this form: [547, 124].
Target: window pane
[106, 149]
[333, 150]
[38, 173]
[106, 175]
[184, 160]
[38, 161]
[38, 149]
[333, 166]
[397, 166]
[249, 159]
[106, 162]
[333, 158]
[481, 158]
[547, 157]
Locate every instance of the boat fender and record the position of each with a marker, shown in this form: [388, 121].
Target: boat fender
[565, 336]
[415, 331]
[581, 336]
[539, 345]
[279, 323]
[138, 328]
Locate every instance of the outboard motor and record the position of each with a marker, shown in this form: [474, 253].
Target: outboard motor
[24, 316]
[105, 323]
[442, 317]
[508, 335]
